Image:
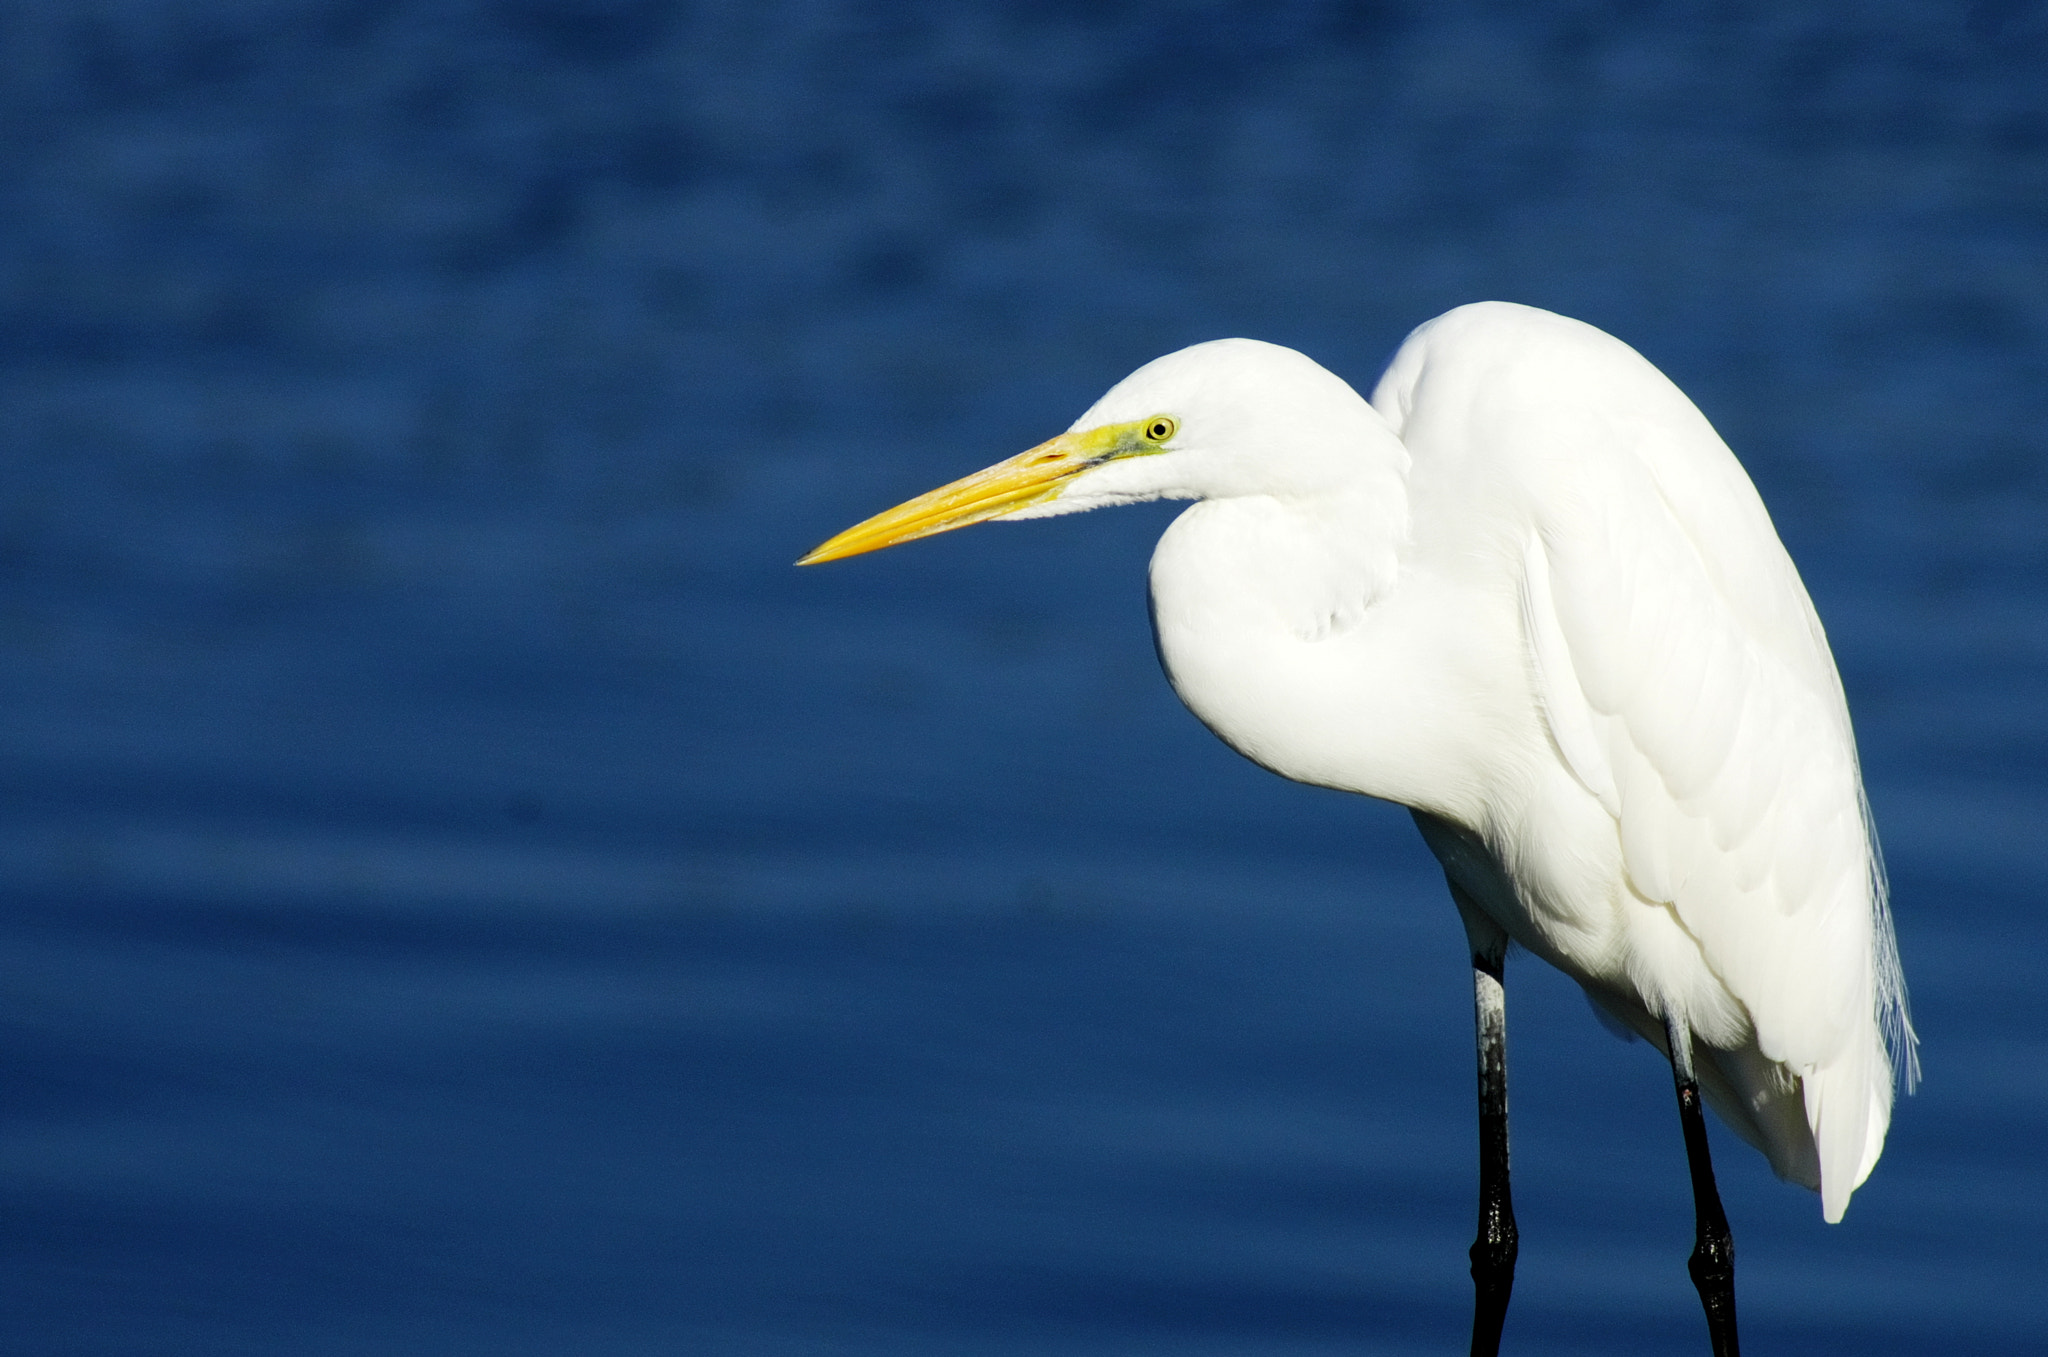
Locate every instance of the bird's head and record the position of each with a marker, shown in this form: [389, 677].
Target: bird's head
[1225, 418]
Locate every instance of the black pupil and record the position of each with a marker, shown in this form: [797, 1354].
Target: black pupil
[1158, 429]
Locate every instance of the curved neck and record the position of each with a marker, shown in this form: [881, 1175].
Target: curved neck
[1298, 634]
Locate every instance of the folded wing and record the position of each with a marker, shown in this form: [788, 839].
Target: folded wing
[1687, 683]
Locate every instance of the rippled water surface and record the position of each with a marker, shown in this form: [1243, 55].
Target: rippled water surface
[465, 893]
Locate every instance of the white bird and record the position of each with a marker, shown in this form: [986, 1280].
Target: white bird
[1527, 592]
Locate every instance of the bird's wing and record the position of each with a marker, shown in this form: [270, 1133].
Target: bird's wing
[1687, 683]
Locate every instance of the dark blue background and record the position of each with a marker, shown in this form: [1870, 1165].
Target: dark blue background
[465, 893]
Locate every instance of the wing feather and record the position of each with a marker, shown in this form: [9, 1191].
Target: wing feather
[1687, 682]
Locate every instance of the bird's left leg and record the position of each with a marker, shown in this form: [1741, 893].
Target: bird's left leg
[1712, 1264]
[1493, 1252]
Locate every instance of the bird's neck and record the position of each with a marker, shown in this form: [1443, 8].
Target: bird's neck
[1306, 568]
[1291, 629]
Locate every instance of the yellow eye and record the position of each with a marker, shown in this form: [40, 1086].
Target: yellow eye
[1160, 428]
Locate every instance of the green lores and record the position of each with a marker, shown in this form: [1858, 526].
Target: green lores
[1024, 480]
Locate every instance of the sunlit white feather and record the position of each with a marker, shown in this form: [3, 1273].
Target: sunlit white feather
[1528, 592]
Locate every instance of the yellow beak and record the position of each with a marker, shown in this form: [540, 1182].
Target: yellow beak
[1028, 478]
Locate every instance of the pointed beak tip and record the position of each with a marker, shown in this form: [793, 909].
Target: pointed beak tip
[1029, 478]
[832, 549]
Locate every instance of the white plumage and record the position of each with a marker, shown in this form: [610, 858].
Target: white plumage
[1527, 592]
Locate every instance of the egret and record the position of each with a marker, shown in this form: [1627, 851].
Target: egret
[1528, 593]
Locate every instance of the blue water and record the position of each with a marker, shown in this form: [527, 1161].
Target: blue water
[465, 893]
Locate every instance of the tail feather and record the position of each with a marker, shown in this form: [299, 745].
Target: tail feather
[1849, 1107]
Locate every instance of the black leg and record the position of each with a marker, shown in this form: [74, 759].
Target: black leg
[1713, 1252]
[1493, 1252]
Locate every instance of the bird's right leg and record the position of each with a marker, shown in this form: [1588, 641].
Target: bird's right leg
[1712, 1264]
[1493, 1252]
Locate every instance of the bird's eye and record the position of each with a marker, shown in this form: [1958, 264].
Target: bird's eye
[1160, 428]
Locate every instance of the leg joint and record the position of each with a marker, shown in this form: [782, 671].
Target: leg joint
[1494, 1252]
